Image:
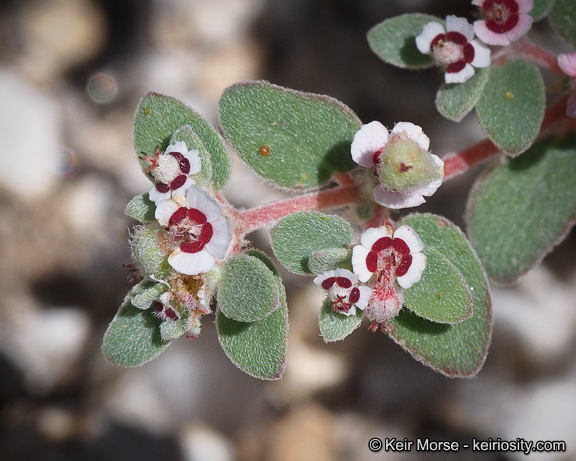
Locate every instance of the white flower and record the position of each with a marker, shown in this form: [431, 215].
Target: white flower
[343, 290]
[504, 20]
[453, 49]
[567, 63]
[398, 252]
[404, 170]
[389, 261]
[198, 229]
[172, 171]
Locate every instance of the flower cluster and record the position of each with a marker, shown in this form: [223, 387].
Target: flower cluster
[385, 263]
[195, 233]
[454, 47]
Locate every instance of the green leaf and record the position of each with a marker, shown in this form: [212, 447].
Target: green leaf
[512, 105]
[457, 350]
[298, 235]
[146, 292]
[333, 258]
[294, 139]
[133, 336]
[186, 134]
[141, 208]
[156, 119]
[455, 100]
[541, 9]
[563, 20]
[149, 258]
[257, 348]
[442, 294]
[247, 291]
[522, 208]
[335, 326]
[394, 40]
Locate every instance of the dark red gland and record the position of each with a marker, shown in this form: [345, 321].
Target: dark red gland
[197, 216]
[178, 182]
[354, 296]
[170, 313]
[178, 216]
[328, 283]
[501, 15]
[456, 66]
[206, 233]
[456, 37]
[177, 155]
[404, 265]
[162, 188]
[382, 244]
[192, 247]
[401, 246]
[343, 282]
[372, 261]
[376, 157]
[184, 165]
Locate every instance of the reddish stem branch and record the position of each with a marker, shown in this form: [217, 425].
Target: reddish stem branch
[267, 215]
[541, 56]
[459, 162]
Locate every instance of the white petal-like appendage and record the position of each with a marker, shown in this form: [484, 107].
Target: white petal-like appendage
[489, 37]
[414, 274]
[410, 237]
[456, 24]
[359, 254]
[373, 234]
[459, 77]
[525, 6]
[481, 54]
[197, 198]
[191, 263]
[397, 200]
[319, 279]
[567, 63]
[430, 188]
[195, 161]
[520, 29]
[365, 294]
[220, 241]
[478, 2]
[346, 274]
[157, 196]
[367, 141]
[414, 132]
[429, 33]
[180, 146]
[164, 211]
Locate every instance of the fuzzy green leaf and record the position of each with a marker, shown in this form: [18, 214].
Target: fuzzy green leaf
[146, 292]
[335, 326]
[294, 139]
[298, 235]
[148, 256]
[512, 105]
[133, 336]
[455, 100]
[141, 208]
[257, 348]
[193, 141]
[330, 259]
[173, 329]
[248, 290]
[522, 208]
[563, 20]
[541, 9]
[441, 295]
[394, 40]
[156, 119]
[457, 350]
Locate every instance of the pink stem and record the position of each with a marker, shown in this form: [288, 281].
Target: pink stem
[541, 56]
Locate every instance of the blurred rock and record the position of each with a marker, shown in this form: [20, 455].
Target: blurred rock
[200, 443]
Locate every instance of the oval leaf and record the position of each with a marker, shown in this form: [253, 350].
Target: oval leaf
[133, 336]
[457, 350]
[335, 326]
[156, 119]
[541, 9]
[522, 208]
[511, 107]
[562, 19]
[441, 295]
[394, 40]
[141, 208]
[455, 100]
[330, 259]
[298, 235]
[247, 290]
[294, 139]
[257, 348]
[146, 292]
[149, 258]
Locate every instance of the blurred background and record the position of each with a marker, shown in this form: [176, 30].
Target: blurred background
[71, 75]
